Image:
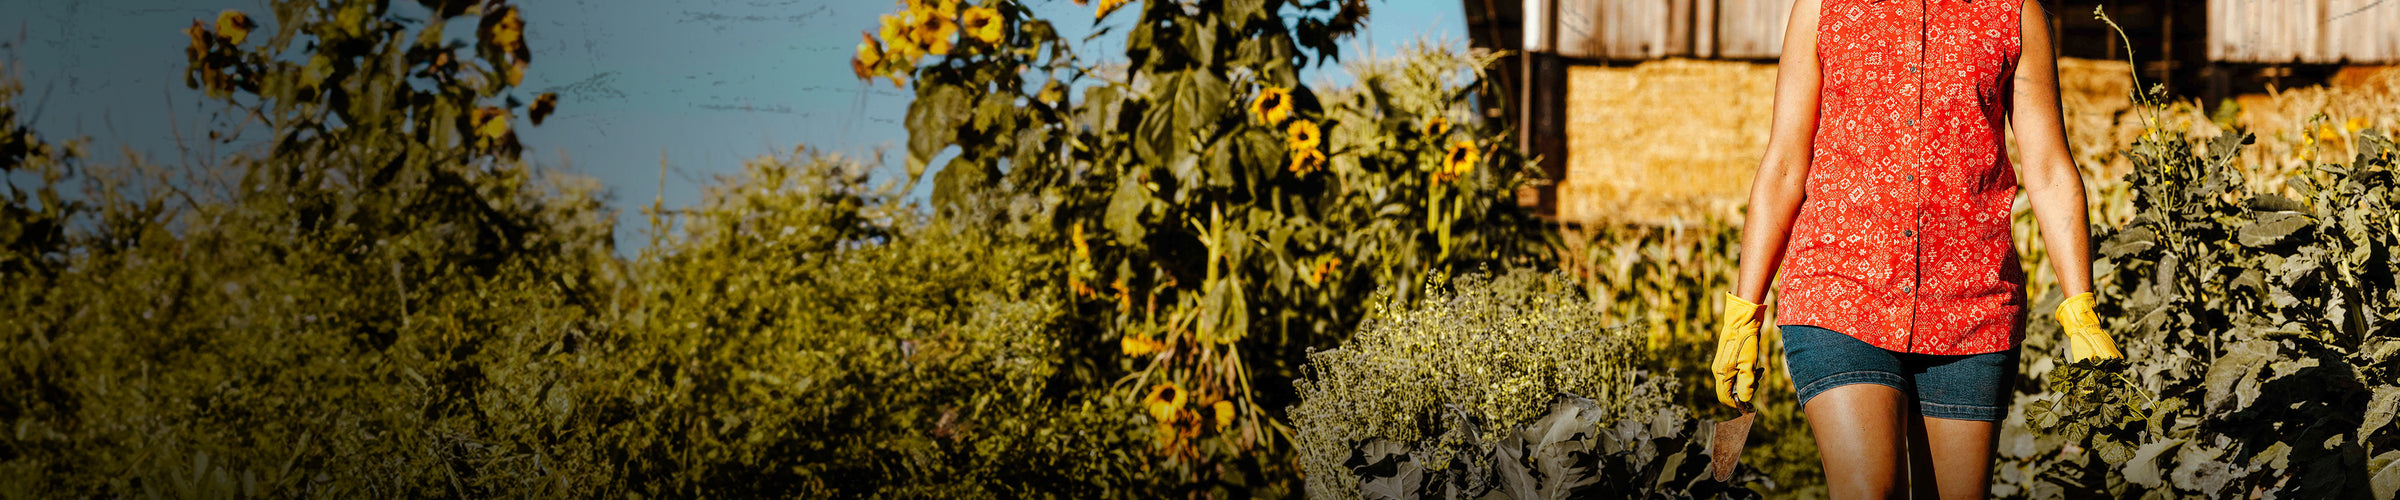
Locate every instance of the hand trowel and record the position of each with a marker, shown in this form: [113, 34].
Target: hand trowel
[1725, 450]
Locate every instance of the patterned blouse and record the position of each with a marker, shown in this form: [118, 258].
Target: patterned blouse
[1903, 240]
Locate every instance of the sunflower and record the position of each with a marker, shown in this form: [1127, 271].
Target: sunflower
[543, 106]
[1054, 94]
[1223, 411]
[491, 126]
[1459, 162]
[1272, 105]
[1303, 134]
[508, 33]
[933, 28]
[1124, 297]
[896, 30]
[1325, 267]
[2354, 124]
[1305, 161]
[233, 26]
[1437, 127]
[870, 55]
[982, 24]
[1164, 402]
[1075, 234]
[1107, 6]
[1136, 346]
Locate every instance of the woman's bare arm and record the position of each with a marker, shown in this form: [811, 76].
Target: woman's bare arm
[1777, 189]
[2045, 167]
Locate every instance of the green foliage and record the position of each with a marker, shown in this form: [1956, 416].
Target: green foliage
[1493, 385]
[1664, 283]
[2260, 328]
[804, 334]
[365, 303]
[1223, 216]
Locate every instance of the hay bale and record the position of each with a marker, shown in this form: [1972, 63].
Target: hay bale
[1663, 139]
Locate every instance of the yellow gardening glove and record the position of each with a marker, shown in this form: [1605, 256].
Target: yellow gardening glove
[1736, 366]
[2085, 339]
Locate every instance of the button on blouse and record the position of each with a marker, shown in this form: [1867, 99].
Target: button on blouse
[1903, 240]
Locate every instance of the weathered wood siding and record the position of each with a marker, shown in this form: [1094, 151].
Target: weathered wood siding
[1654, 29]
[2306, 31]
[1750, 29]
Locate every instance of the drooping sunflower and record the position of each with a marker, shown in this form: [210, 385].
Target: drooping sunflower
[1272, 105]
[1164, 402]
[1303, 134]
[1459, 162]
[1223, 411]
[1306, 161]
[982, 24]
[867, 62]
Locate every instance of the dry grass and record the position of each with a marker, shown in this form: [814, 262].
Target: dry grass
[1678, 139]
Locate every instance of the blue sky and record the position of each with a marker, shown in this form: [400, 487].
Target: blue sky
[703, 84]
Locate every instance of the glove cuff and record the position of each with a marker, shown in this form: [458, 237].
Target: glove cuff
[2076, 311]
[1736, 308]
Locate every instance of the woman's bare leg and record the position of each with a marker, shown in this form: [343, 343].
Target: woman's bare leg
[1859, 430]
[1960, 452]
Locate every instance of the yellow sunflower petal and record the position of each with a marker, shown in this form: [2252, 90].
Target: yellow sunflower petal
[233, 26]
[982, 24]
[1303, 134]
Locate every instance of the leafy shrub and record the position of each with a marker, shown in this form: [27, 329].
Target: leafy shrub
[1506, 385]
[376, 299]
[804, 334]
[2259, 330]
[1663, 283]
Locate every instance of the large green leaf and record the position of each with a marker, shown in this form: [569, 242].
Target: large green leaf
[1124, 217]
[2233, 382]
[2272, 227]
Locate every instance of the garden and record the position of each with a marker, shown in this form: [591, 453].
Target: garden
[1175, 271]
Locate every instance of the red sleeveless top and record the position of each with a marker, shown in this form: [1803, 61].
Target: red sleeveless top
[1903, 239]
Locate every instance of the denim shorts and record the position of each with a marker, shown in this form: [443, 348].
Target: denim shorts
[1968, 387]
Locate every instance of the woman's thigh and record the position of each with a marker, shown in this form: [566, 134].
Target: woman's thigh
[1855, 397]
[1960, 453]
[1860, 437]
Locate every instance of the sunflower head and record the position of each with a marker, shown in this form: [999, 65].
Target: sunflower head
[491, 126]
[1459, 162]
[902, 34]
[982, 24]
[933, 29]
[869, 58]
[1306, 161]
[1054, 94]
[1272, 105]
[233, 26]
[1303, 134]
[1437, 127]
[1164, 402]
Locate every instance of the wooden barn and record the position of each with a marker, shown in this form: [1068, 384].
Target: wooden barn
[1571, 55]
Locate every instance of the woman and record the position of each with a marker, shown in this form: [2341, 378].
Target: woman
[1884, 196]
